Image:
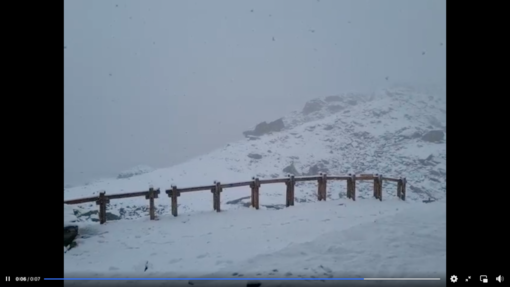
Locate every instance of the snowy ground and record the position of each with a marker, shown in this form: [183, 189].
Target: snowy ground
[337, 238]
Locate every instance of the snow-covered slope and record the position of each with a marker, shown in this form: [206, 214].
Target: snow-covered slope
[396, 132]
[330, 239]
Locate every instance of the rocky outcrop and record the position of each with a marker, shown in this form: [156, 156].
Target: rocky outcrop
[266, 128]
[435, 136]
[313, 106]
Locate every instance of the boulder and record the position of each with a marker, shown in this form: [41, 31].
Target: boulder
[313, 106]
[254, 156]
[266, 128]
[434, 136]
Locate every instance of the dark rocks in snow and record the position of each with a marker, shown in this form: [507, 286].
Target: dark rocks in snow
[266, 128]
[328, 127]
[111, 216]
[239, 200]
[70, 233]
[434, 136]
[291, 169]
[254, 156]
[137, 170]
[428, 200]
[313, 106]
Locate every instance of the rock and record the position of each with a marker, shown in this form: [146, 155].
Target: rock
[313, 106]
[428, 200]
[291, 169]
[254, 156]
[111, 216]
[434, 136]
[239, 200]
[266, 128]
[328, 127]
[70, 233]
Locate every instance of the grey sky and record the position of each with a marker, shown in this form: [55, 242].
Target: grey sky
[158, 81]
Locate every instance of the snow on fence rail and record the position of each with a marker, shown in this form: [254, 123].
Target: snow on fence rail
[254, 185]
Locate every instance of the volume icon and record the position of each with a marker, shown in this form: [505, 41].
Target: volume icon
[500, 278]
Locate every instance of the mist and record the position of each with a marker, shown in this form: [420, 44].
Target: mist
[157, 82]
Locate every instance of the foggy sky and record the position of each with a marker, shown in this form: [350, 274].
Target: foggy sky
[156, 82]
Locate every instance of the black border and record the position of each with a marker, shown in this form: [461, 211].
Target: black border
[476, 213]
[33, 141]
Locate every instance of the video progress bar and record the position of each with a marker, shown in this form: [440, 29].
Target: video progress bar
[243, 279]
[391, 279]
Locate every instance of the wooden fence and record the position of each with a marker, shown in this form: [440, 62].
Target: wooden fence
[254, 184]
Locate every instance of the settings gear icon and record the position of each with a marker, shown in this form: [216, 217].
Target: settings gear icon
[454, 278]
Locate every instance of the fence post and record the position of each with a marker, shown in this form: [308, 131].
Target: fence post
[376, 185]
[379, 188]
[219, 189]
[292, 186]
[404, 183]
[399, 188]
[349, 186]
[290, 190]
[324, 186]
[173, 193]
[255, 185]
[102, 201]
[152, 194]
[257, 192]
[252, 188]
[213, 191]
[319, 187]
[353, 185]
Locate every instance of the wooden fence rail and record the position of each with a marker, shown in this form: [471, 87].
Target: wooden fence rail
[217, 188]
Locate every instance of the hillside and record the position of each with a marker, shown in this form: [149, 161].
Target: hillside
[399, 132]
